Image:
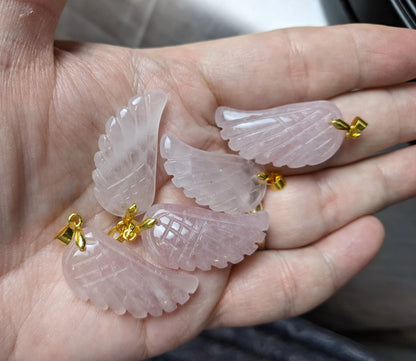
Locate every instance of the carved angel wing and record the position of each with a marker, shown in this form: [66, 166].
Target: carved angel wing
[189, 237]
[224, 182]
[112, 275]
[126, 163]
[294, 135]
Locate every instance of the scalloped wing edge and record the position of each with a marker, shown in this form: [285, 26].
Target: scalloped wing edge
[222, 189]
[165, 248]
[126, 161]
[126, 265]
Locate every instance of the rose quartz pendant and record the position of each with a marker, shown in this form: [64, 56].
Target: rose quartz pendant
[126, 162]
[294, 135]
[192, 237]
[98, 267]
[224, 182]
[114, 275]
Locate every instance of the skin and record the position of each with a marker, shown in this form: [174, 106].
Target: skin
[54, 101]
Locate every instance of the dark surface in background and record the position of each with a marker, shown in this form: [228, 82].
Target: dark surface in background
[400, 13]
[287, 340]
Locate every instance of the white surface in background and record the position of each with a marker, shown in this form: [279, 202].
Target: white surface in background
[264, 15]
[138, 23]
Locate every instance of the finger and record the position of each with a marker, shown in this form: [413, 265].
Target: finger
[292, 65]
[313, 205]
[391, 115]
[26, 29]
[271, 285]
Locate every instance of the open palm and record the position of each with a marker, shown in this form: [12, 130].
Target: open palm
[54, 101]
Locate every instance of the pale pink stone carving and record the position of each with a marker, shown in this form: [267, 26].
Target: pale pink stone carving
[126, 163]
[113, 275]
[224, 182]
[189, 237]
[295, 135]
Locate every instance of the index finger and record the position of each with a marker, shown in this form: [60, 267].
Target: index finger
[299, 64]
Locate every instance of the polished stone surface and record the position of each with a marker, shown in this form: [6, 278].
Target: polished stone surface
[224, 182]
[295, 135]
[114, 275]
[126, 162]
[193, 237]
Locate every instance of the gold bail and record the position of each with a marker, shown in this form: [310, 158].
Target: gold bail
[147, 224]
[79, 238]
[130, 213]
[71, 231]
[65, 235]
[275, 181]
[354, 130]
[128, 229]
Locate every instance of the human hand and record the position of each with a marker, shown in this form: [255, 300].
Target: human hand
[54, 103]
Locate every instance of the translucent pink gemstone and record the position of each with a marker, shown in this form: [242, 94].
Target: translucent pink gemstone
[224, 182]
[189, 237]
[126, 162]
[295, 135]
[113, 275]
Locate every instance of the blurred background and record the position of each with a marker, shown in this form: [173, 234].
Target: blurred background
[378, 307]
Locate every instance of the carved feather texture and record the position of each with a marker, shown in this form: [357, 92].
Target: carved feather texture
[192, 237]
[224, 182]
[113, 275]
[295, 135]
[126, 163]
